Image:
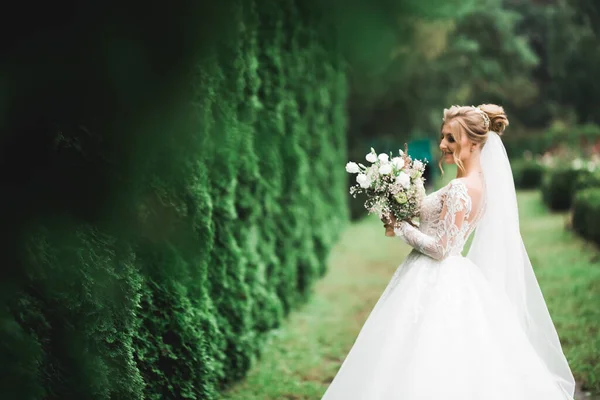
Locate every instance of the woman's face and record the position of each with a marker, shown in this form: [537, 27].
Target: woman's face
[449, 143]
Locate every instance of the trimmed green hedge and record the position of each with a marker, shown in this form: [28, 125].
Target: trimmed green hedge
[586, 214]
[559, 186]
[527, 173]
[159, 231]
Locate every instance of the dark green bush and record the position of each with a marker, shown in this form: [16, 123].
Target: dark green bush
[527, 173]
[560, 184]
[558, 187]
[586, 214]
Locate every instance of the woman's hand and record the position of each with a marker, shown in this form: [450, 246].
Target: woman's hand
[389, 224]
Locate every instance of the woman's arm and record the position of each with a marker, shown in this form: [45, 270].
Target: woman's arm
[457, 204]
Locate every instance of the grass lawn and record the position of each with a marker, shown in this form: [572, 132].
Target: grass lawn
[303, 356]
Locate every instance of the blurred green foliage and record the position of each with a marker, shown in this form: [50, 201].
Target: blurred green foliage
[535, 58]
[559, 139]
[174, 182]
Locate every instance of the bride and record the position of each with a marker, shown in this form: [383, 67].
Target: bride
[449, 327]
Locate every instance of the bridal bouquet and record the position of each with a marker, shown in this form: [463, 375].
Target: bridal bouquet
[393, 185]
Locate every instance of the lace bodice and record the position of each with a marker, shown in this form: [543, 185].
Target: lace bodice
[446, 221]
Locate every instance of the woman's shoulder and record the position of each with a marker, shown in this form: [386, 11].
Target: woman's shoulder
[466, 185]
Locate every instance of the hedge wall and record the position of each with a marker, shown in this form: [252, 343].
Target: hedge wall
[165, 207]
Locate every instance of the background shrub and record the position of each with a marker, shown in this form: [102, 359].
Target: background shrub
[558, 187]
[586, 214]
[527, 173]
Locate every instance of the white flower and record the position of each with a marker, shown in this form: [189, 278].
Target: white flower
[371, 157]
[384, 158]
[419, 183]
[363, 181]
[385, 169]
[400, 152]
[352, 168]
[372, 173]
[398, 162]
[403, 179]
[417, 164]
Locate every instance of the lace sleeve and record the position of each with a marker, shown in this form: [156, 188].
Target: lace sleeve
[448, 230]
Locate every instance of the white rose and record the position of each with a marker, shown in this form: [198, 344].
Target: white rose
[403, 179]
[352, 168]
[384, 158]
[398, 162]
[385, 169]
[363, 181]
[371, 157]
[417, 164]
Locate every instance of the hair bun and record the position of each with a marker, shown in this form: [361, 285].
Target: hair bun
[498, 118]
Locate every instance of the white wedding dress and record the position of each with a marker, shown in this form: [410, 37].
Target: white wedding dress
[442, 329]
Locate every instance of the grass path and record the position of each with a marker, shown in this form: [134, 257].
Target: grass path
[303, 356]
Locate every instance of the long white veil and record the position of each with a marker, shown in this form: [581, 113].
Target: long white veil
[498, 249]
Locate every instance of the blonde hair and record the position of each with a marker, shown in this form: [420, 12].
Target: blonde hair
[475, 122]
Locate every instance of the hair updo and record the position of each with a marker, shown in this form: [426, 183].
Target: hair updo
[475, 122]
[497, 116]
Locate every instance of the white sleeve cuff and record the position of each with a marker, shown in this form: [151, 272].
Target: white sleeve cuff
[398, 232]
